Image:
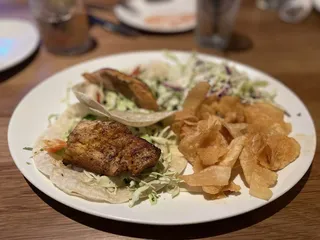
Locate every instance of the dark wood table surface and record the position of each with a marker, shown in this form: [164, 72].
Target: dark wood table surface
[289, 52]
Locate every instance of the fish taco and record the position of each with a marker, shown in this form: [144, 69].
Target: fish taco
[99, 159]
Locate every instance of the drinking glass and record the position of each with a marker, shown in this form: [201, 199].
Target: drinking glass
[63, 25]
[215, 21]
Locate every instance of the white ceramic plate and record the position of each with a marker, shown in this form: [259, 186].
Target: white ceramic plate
[18, 40]
[137, 11]
[30, 119]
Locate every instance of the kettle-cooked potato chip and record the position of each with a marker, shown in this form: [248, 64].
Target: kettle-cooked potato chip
[214, 175]
[258, 178]
[214, 147]
[266, 115]
[247, 163]
[280, 151]
[236, 129]
[231, 187]
[231, 109]
[196, 96]
[261, 180]
[234, 150]
[197, 166]
[212, 189]
[189, 143]
[211, 154]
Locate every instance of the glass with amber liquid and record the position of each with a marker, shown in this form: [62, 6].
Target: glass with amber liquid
[63, 25]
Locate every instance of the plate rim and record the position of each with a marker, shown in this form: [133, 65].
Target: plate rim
[144, 27]
[31, 50]
[124, 219]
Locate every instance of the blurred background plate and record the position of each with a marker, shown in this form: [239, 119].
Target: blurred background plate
[18, 40]
[162, 16]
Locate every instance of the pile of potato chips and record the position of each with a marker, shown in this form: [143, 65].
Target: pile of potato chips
[222, 138]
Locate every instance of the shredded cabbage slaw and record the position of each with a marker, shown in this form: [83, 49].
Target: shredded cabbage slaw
[171, 81]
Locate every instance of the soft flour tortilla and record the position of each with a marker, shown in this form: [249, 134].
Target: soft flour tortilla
[76, 182]
[133, 119]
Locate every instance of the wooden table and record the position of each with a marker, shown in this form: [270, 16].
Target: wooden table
[288, 52]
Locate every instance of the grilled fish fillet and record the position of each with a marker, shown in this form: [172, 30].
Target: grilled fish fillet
[109, 148]
[130, 87]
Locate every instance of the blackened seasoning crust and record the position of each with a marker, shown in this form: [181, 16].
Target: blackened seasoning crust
[109, 148]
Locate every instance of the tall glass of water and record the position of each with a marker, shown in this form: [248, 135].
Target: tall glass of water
[215, 21]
